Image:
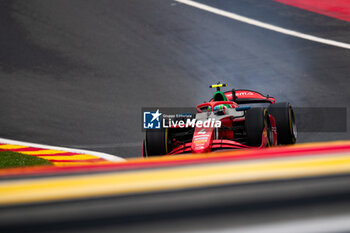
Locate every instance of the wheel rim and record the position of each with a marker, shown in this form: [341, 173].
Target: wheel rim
[166, 141]
[268, 128]
[269, 133]
[292, 125]
[144, 148]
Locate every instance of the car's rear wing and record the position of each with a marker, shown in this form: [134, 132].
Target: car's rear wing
[243, 96]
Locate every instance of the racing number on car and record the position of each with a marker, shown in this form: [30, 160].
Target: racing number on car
[202, 131]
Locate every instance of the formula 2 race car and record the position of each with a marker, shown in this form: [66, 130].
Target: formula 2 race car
[243, 119]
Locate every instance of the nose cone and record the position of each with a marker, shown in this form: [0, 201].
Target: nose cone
[200, 149]
[202, 138]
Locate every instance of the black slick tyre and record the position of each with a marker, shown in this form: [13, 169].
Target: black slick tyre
[156, 142]
[285, 122]
[256, 121]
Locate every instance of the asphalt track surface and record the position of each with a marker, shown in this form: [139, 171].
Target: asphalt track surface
[77, 73]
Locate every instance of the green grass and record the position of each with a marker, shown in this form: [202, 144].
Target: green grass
[10, 159]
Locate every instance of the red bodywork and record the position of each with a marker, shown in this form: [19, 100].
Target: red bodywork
[247, 95]
[209, 139]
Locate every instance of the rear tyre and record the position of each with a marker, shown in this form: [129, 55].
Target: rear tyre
[256, 121]
[156, 142]
[285, 123]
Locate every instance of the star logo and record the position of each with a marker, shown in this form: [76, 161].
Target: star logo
[151, 120]
[156, 115]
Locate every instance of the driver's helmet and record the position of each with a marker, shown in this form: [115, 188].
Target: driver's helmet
[220, 109]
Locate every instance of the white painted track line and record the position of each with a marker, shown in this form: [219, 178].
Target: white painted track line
[95, 153]
[264, 25]
[111, 145]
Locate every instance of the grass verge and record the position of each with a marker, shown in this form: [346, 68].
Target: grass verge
[10, 159]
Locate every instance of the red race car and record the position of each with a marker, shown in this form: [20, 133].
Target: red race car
[235, 119]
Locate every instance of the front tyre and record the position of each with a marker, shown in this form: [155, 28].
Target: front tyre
[257, 121]
[285, 122]
[156, 142]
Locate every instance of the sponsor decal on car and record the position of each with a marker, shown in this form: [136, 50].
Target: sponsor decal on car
[200, 138]
[200, 141]
[244, 93]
